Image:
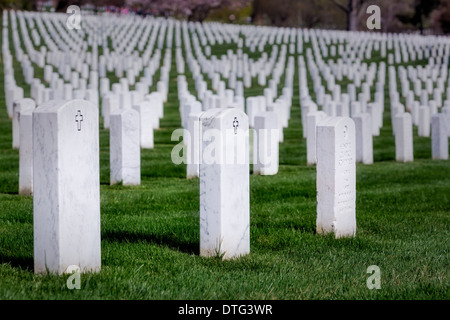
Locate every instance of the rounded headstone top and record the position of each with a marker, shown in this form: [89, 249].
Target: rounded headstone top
[216, 113]
[55, 106]
[336, 122]
[25, 104]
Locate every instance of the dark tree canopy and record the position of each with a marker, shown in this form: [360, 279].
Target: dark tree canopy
[396, 16]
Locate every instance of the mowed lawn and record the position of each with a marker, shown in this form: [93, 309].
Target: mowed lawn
[150, 233]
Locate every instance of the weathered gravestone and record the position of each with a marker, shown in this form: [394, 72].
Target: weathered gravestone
[439, 137]
[312, 119]
[253, 107]
[157, 101]
[364, 140]
[446, 111]
[266, 144]
[146, 123]
[424, 121]
[13, 93]
[404, 151]
[224, 183]
[66, 186]
[336, 177]
[156, 106]
[18, 106]
[374, 109]
[110, 103]
[307, 107]
[188, 108]
[124, 147]
[193, 141]
[25, 108]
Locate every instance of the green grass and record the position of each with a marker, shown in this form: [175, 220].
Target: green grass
[150, 233]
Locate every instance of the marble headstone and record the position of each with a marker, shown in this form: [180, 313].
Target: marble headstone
[424, 121]
[336, 177]
[146, 124]
[193, 145]
[25, 118]
[404, 151]
[19, 106]
[439, 137]
[66, 186]
[364, 140]
[110, 103]
[266, 144]
[224, 184]
[312, 119]
[124, 145]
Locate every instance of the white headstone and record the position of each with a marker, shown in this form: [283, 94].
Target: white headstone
[124, 145]
[342, 109]
[188, 108]
[424, 121]
[12, 94]
[364, 140]
[404, 151]
[355, 108]
[104, 86]
[67, 91]
[66, 187]
[125, 100]
[110, 103]
[161, 88]
[25, 118]
[439, 137]
[18, 106]
[224, 184]
[156, 100]
[336, 177]
[374, 109]
[266, 144]
[193, 142]
[446, 111]
[252, 108]
[92, 95]
[146, 124]
[307, 107]
[313, 119]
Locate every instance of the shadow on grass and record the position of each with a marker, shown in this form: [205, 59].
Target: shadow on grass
[304, 227]
[171, 241]
[9, 185]
[26, 264]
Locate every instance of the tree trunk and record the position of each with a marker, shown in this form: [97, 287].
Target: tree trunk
[352, 16]
[351, 11]
[421, 20]
[421, 25]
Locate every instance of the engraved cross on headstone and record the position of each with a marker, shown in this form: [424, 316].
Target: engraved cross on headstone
[78, 119]
[235, 125]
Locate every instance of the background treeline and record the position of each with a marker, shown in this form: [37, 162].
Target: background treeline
[422, 16]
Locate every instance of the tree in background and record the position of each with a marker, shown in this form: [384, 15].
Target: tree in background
[193, 10]
[389, 12]
[275, 13]
[312, 13]
[18, 4]
[440, 18]
[351, 10]
[396, 16]
[294, 13]
[419, 12]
